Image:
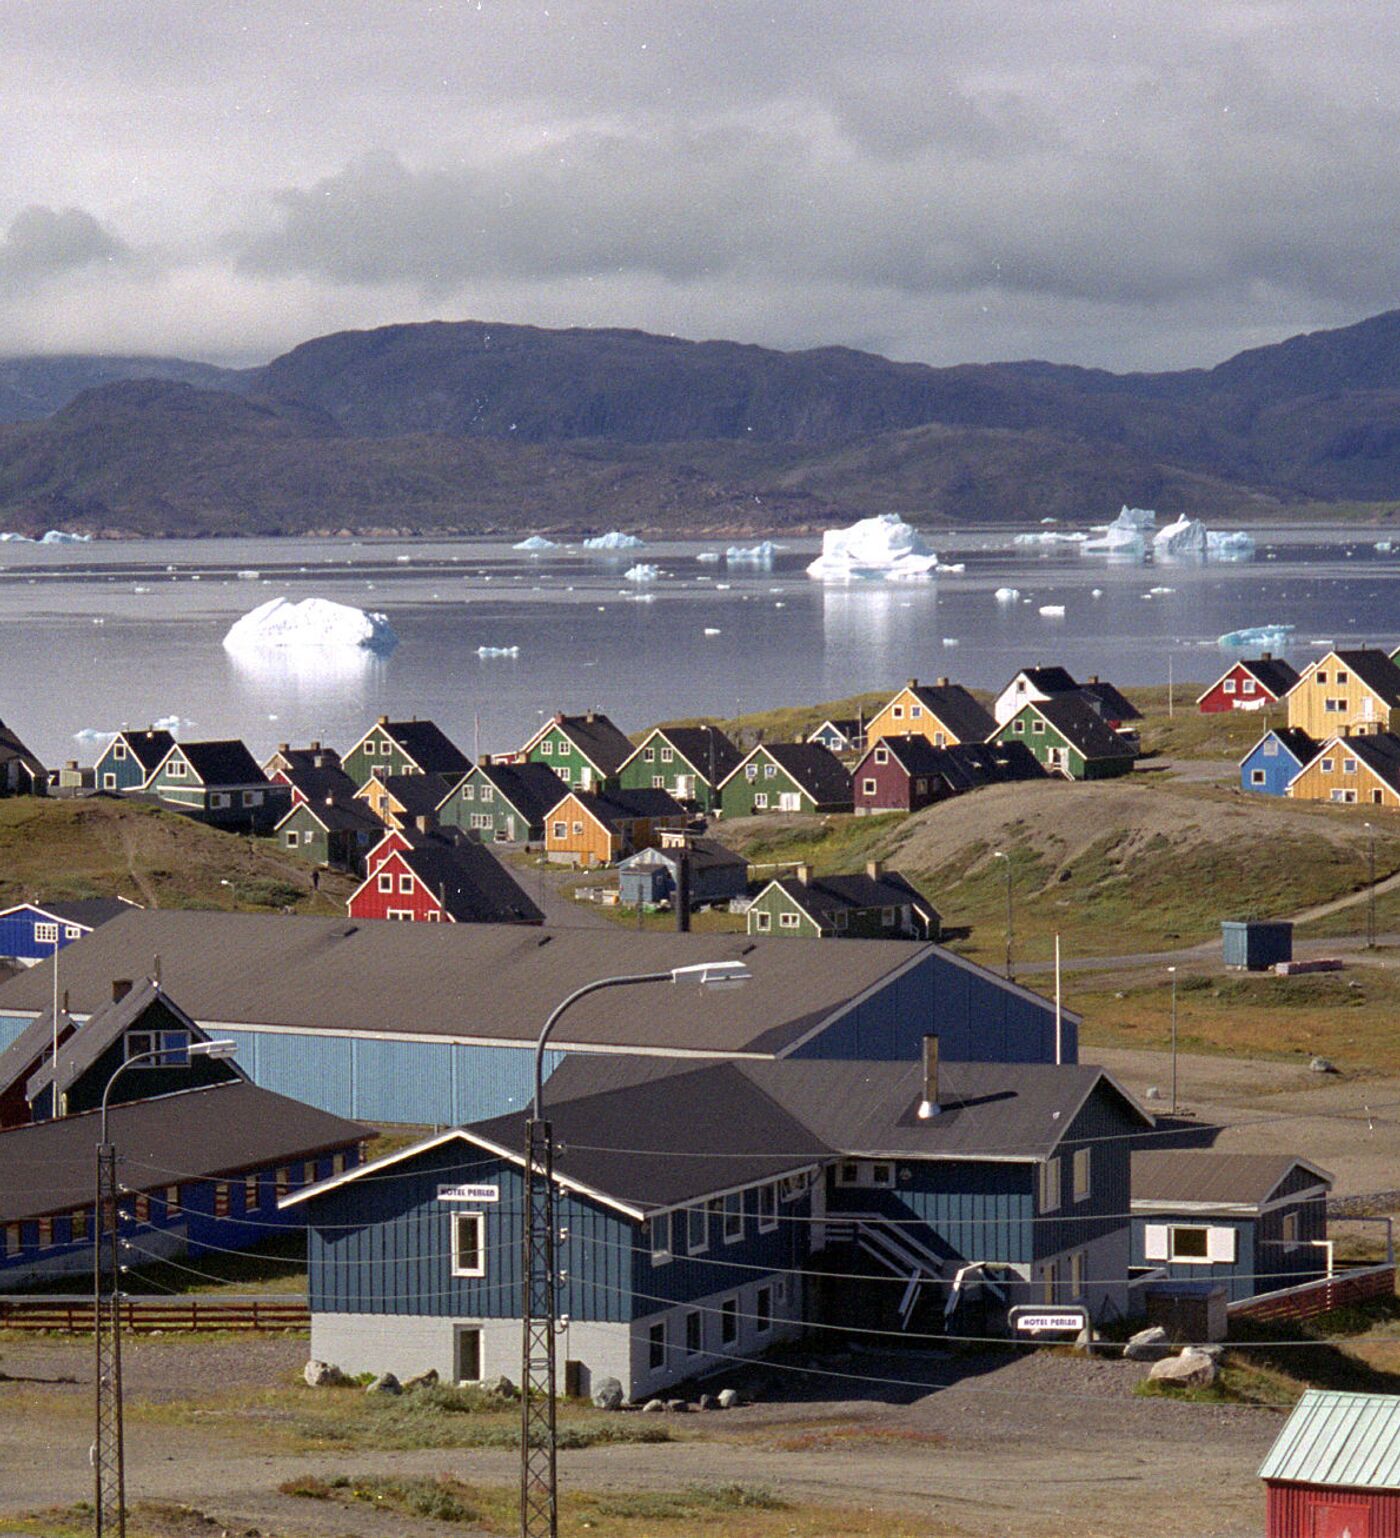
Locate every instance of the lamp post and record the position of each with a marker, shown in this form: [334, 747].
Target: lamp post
[999, 854]
[1171, 971]
[108, 1451]
[1371, 893]
[539, 1485]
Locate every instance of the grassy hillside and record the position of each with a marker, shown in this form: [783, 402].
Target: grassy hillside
[99, 848]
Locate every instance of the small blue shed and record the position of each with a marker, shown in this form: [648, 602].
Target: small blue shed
[1274, 760]
[717, 874]
[1255, 944]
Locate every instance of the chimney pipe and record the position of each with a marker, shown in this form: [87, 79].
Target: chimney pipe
[874, 869]
[1266, 656]
[804, 874]
[929, 1105]
[943, 683]
[121, 986]
[913, 683]
[682, 898]
[284, 747]
[1093, 678]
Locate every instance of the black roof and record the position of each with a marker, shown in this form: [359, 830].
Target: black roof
[619, 806]
[24, 1054]
[722, 1125]
[420, 795]
[313, 757]
[471, 883]
[957, 710]
[1082, 726]
[338, 816]
[700, 746]
[428, 746]
[225, 761]
[705, 854]
[12, 748]
[530, 788]
[87, 911]
[821, 895]
[815, 768]
[1380, 752]
[963, 765]
[1110, 703]
[1049, 680]
[1276, 675]
[146, 746]
[1295, 741]
[1375, 669]
[594, 735]
[194, 1134]
[326, 783]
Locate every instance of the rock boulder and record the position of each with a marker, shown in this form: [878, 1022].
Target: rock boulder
[607, 1394]
[1192, 1369]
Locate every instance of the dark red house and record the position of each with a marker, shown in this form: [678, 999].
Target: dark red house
[1334, 1469]
[1252, 683]
[902, 774]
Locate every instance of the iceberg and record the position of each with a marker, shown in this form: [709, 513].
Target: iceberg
[1229, 546]
[63, 537]
[884, 546]
[1125, 535]
[760, 554]
[535, 542]
[614, 539]
[1259, 635]
[643, 571]
[1187, 536]
[708, 555]
[498, 651]
[1007, 594]
[314, 624]
[1053, 610]
[1384, 546]
[1051, 537]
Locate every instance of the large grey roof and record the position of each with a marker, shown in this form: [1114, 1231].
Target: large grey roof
[222, 1129]
[1204, 1176]
[530, 788]
[1339, 1439]
[477, 981]
[471, 883]
[428, 746]
[225, 761]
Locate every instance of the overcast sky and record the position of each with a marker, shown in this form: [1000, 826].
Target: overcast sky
[1141, 184]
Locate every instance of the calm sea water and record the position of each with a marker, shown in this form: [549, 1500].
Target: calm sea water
[93, 637]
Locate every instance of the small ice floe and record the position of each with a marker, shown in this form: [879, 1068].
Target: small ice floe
[1259, 635]
[723, 587]
[956, 568]
[1007, 594]
[402, 560]
[1052, 537]
[536, 542]
[249, 575]
[1095, 592]
[643, 571]
[781, 605]
[614, 539]
[760, 554]
[951, 640]
[170, 723]
[711, 629]
[1052, 610]
[1157, 592]
[708, 556]
[1385, 546]
[498, 651]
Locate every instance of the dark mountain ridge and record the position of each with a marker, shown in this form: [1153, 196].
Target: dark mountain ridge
[469, 425]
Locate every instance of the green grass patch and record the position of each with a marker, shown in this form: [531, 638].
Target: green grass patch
[442, 1499]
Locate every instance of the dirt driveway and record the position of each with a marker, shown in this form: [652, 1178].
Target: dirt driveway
[1031, 1447]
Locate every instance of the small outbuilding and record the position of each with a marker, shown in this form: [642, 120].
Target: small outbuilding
[717, 874]
[1334, 1469]
[1254, 944]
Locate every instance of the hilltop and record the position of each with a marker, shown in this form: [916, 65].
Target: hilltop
[476, 427]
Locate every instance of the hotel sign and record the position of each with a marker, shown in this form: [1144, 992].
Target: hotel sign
[469, 1193]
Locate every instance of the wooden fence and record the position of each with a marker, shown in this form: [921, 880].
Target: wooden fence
[73, 1311]
[1307, 1301]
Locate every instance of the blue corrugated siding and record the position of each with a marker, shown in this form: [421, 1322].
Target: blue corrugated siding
[383, 1246]
[1263, 1261]
[976, 1018]
[970, 1210]
[10, 1028]
[720, 1266]
[1237, 1277]
[1106, 1127]
[404, 1081]
[1277, 768]
[319, 1076]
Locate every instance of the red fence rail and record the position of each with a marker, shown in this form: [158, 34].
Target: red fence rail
[1313, 1298]
[73, 1312]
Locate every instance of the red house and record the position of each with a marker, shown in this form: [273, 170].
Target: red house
[439, 883]
[1249, 684]
[1334, 1469]
[899, 774]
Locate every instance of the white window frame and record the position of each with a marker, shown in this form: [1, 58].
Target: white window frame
[659, 1238]
[762, 921]
[1258, 777]
[405, 885]
[789, 920]
[476, 1221]
[385, 883]
[547, 749]
[1228, 687]
[176, 769]
[1051, 1185]
[118, 751]
[45, 933]
[1083, 1168]
[867, 787]
[760, 800]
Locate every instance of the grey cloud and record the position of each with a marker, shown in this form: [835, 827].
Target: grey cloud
[45, 243]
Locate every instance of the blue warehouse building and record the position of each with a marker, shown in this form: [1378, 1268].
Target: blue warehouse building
[30, 931]
[434, 1025]
[1252, 1222]
[710, 1211]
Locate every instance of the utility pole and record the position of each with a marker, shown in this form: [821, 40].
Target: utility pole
[1171, 689]
[1172, 971]
[1371, 894]
[539, 1489]
[108, 1450]
[999, 854]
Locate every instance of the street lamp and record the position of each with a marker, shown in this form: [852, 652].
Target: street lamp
[1172, 973]
[539, 1486]
[108, 1451]
[1371, 894]
[998, 854]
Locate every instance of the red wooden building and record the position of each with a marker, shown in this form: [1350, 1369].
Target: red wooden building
[440, 883]
[1334, 1469]
[1252, 683]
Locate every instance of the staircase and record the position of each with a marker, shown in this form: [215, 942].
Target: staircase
[893, 1248]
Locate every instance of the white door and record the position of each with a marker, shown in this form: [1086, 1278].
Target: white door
[789, 801]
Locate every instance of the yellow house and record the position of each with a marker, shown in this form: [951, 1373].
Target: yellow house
[1346, 694]
[405, 800]
[589, 829]
[1352, 771]
[945, 713]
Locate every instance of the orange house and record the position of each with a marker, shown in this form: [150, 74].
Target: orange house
[591, 830]
[1352, 771]
[945, 713]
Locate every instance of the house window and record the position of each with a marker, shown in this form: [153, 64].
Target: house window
[658, 782]
[386, 883]
[898, 712]
[697, 1230]
[1077, 1274]
[763, 1310]
[172, 1048]
[1050, 1281]
[760, 801]
[659, 1237]
[734, 1217]
[46, 934]
[252, 798]
[667, 756]
[176, 769]
[867, 787]
[1019, 727]
[221, 1199]
[1335, 706]
[172, 1202]
[1321, 677]
[729, 1321]
[78, 1224]
[939, 739]
[882, 755]
[14, 1239]
[118, 751]
[1229, 686]
[1257, 777]
[881, 1174]
[1271, 748]
[292, 838]
[564, 750]
[915, 711]
[45, 1233]
[1342, 676]
[481, 819]
[692, 1333]
[468, 1244]
[762, 920]
[648, 755]
[887, 916]
[284, 1183]
[767, 1209]
[371, 749]
[770, 771]
[488, 793]
[1328, 764]
[561, 829]
[656, 1347]
[469, 793]
[1348, 766]
[1247, 687]
[1083, 1179]
[848, 1173]
[143, 1208]
[1190, 1244]
[1377, 797]
[308, 1173]
[252, 1193]
[789, 920]
[405, 884]
[1289, 1229]
[338, 1164]
[109, 781]
[218, 798]
[405, 915]
[750, 771]
[1038, 728]
[578, 830]
[547, 748]
[1050, 1185]
[839, 918]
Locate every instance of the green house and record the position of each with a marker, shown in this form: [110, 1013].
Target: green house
[586, 751]
[331, 832]
[786, 777]
[219, 783]
[688, 761]
[878, 905]
[404, 747]
[503, 803]
[1068, 737]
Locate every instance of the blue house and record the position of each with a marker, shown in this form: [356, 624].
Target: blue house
[1256, 1222]
[131, 758]
[435, 1024]
[707, 1215]
[1275, 759]
[204, 1155]
[30, 931]
[717, 874]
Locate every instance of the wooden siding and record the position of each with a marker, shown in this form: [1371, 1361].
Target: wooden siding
[971, 1209]
[887, 786]
[478, 805]
[774, 904]
[1247, 694]
[407, 899]
[126, 772]
[907, 715]
[1106, 1128]
[745, 797]
[667, 770]
[1328, 779]
[583, 838]
[557, 752]
[1277, 768]
[1356, 707]
[382, 756]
